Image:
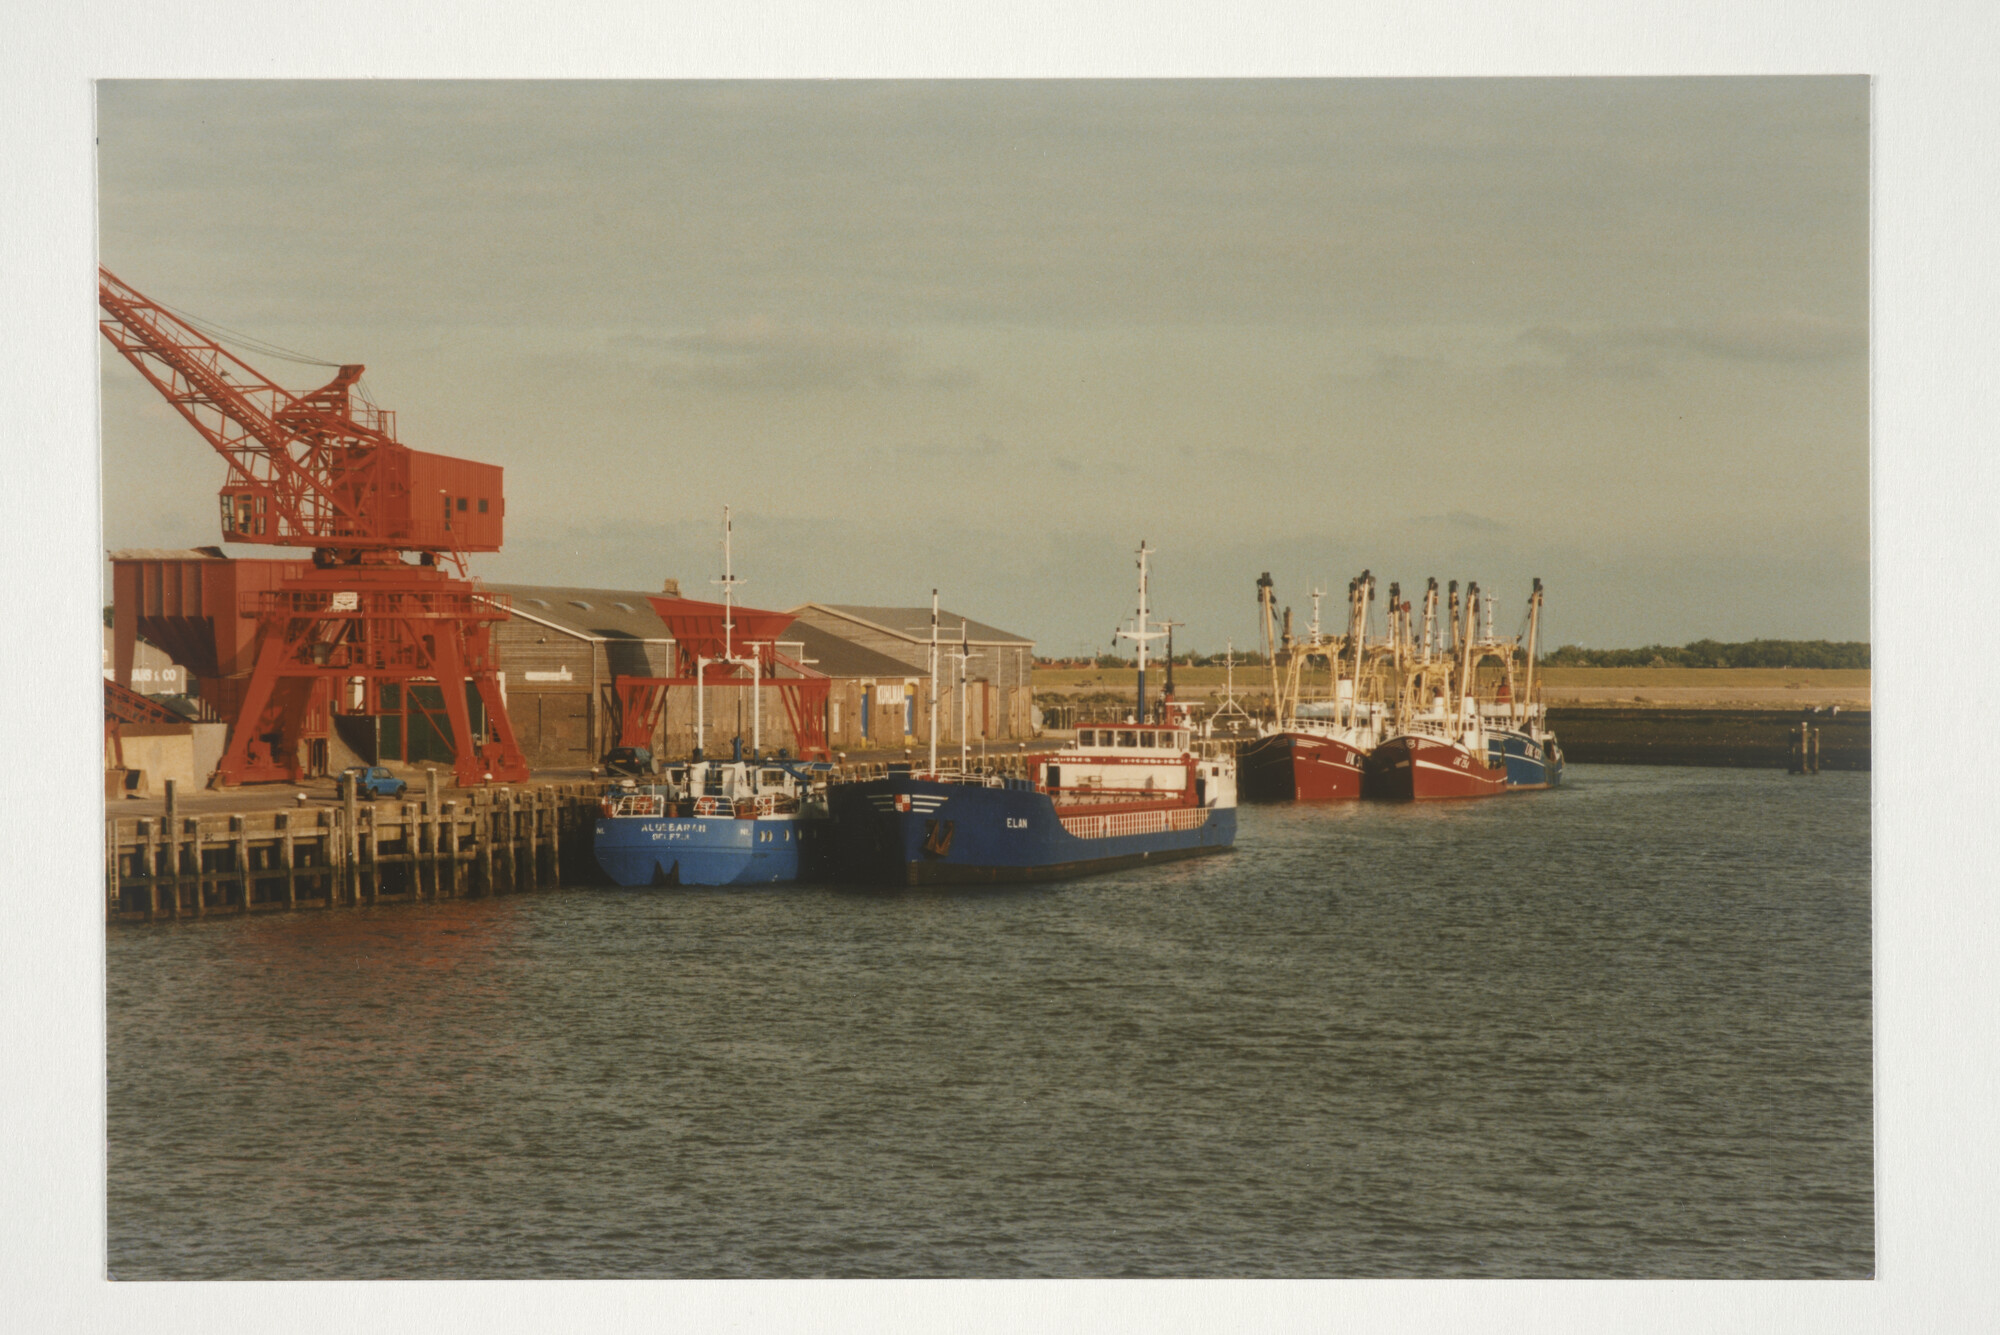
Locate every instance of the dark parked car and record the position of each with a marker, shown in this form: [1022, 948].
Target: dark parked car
[373, 781]
[631, 760]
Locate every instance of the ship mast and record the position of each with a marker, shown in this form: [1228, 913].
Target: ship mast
[1534, 627]
[964, 699]
[1230, 708]
[1364, 591]
[1451, 618]
[1267, 598]
[728, 583]
[934, 681]
[1397, 626]
[1430, 619]
[1466, 694]
[1140, 633]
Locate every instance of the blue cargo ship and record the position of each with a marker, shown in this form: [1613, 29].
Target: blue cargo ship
[1117, 797]
[735, 822]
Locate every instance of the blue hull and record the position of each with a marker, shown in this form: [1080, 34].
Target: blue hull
[703, 850]
[908, 831]
[1530, 764]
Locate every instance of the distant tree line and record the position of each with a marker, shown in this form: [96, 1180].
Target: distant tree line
[1716, 654]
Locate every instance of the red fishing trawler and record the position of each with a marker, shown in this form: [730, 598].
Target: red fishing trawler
[1441, 747]
[1317, 749]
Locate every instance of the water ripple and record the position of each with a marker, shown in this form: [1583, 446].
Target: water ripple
[1620, 1029]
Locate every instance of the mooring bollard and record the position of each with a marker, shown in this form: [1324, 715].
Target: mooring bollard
[431, 824]
[555, 841]
[240, 827]
[171, 828]
[288, 855]
[149, 862]
[329, 859]
[350, 841]
[200, 904]
[483, 823]
[371, 872]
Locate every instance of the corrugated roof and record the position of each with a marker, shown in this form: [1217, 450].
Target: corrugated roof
[605, 618]
[915, 622]
[168, 554]
[827, 653]
[607, 614]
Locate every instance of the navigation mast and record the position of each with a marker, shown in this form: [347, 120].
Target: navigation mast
[1141, 632]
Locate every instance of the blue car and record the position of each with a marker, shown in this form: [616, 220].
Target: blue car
[373, 781]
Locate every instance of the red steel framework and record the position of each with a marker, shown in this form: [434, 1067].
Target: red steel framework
[698, 633]
[324, 470]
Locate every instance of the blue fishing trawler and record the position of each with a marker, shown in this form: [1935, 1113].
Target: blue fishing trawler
[1516, 723]
[1530, 755]
[731, 822]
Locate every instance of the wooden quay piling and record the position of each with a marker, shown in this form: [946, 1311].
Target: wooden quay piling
[356, 852]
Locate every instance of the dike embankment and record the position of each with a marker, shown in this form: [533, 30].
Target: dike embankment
[1683, 735]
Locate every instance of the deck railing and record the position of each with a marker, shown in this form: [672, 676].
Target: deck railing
[1134, 822]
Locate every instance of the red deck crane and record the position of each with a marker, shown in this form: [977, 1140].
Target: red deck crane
[324, 470]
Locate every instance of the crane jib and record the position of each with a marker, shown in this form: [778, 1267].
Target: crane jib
[316, 469]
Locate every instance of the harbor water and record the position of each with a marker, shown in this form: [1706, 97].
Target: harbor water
[1618, 1029]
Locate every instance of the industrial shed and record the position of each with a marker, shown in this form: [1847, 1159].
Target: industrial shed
[1000, 691]
[562, 647]
[557, 653]
[862, 678]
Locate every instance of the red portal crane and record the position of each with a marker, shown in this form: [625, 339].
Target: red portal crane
[698, 633]
[324, 470]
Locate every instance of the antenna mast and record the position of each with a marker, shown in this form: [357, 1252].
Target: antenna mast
[934, 681]
[1534, 630]
[728, 583]
[1141, 632]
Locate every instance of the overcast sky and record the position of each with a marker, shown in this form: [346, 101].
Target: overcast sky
[987, 336]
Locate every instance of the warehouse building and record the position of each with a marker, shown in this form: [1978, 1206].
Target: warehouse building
[562, 647]
[557, 654]
[998, 700]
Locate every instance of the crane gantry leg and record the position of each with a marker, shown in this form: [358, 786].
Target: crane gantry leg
[386, 625]
[249, 756]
